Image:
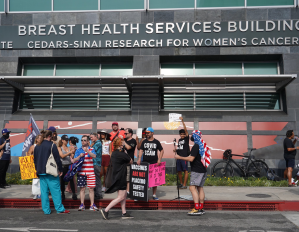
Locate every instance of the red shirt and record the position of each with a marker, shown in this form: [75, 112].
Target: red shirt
[121, 135]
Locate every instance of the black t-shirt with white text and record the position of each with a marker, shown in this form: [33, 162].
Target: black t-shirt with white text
[183, 147]
[132, 143]
[196, 165]
[150, 149]
[287, 143]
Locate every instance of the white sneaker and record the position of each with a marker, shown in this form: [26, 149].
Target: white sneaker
[103, 189]
[34, 197]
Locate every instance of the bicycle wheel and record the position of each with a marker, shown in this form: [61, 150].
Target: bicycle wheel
[257, 169]
[222, 169]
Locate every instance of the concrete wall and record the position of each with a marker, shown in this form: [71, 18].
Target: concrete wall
[146, 62]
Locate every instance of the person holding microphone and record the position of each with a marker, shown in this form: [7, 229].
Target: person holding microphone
[289, 155]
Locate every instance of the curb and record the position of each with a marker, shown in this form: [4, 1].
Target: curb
[163, 205]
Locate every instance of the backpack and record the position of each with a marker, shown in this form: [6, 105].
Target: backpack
[271, 175]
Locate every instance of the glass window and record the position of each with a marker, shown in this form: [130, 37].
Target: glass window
[75, 101]
[262, 101]
[35, 101]
[269, 3]
[161, 4]
[122, 4]
[260, 69]
[114, 101]
[30, 5]
[217, 101]
[177, 69]
[220, 3]
[116, 70]
[178, 101]
[38, 70]
[2, 5]
[77, 70]
[68, 5]
[218, 69]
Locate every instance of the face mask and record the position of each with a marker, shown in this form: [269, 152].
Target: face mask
[6, 136]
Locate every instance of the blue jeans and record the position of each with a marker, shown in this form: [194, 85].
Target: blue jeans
[52, 184]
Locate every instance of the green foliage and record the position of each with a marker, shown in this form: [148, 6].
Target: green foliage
[171, 179]
[15, 178]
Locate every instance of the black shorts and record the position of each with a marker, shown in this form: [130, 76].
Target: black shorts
[290, 163]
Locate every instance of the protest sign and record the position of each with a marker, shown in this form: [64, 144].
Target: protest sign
[173, 117]
[156, 174]
[31, 133]
[27, 167]
[139, 181]
[139, 133]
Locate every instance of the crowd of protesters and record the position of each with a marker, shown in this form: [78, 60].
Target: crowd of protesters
[100, 152]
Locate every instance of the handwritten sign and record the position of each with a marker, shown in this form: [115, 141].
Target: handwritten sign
[156, 174]
[27, 167]
[139, 181]
[173, 117]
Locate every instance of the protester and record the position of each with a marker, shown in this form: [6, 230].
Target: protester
[55, 137]
[198, 173]
[65, 154]
[72, 142]
[38, 140]
[106, 152]
[86, 177]
[183, 150]
[129, 145]
[149, 148]
[48, 183]
[6, 157]
[289, 155]
[119, 160]
[116, 133]
[143, 138]
[97, 146]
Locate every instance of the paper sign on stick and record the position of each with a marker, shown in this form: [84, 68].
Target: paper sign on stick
[156, 174]
[139, 133]
[173, 117]
[27, 167]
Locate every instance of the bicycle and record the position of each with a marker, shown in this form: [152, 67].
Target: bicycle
[252, 168]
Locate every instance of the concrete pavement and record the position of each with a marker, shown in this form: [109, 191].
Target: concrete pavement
[213, 193]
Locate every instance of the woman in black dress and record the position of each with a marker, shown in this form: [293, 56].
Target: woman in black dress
[119, 161]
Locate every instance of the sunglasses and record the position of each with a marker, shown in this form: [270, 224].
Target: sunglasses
[83, 140]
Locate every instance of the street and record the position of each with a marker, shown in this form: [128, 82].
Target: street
[35, 220]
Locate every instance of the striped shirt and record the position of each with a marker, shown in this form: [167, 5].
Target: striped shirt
[87, 167]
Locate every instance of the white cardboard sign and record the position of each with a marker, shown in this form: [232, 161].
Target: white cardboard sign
[173, 117]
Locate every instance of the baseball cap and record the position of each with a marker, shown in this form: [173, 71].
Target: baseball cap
[149, 129]
[52, 128]
[65, 137]
[5, 131]
[115, 123]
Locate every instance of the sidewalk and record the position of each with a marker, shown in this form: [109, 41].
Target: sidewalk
[223, 198]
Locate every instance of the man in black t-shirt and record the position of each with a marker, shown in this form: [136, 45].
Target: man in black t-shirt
[149, 148]
[197, 179]
[129, 146]
[183, 150]
[289, 155]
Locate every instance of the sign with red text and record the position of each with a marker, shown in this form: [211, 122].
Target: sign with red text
[139, 181]
[156, 174]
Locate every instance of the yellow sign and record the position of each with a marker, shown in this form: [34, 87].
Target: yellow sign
[27, 167]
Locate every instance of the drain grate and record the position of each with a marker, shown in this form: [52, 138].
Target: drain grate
[257, 195]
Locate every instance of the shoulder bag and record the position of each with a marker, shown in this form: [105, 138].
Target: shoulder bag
[51, 166]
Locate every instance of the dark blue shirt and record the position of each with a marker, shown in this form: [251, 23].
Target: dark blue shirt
[41, 156]
[6, 149]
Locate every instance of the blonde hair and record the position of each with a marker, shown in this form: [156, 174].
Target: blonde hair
[36, 138]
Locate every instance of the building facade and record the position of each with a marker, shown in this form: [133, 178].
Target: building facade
[229, 67]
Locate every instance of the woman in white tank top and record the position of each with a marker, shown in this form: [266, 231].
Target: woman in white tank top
[106, 152]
